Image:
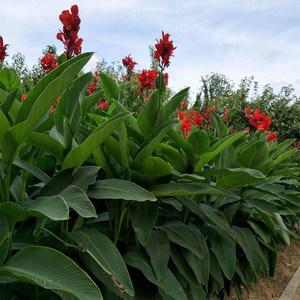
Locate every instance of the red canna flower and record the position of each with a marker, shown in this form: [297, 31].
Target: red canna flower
[69, 35]
[53, 107]
[48, 62]
[272, 136]
[23, 97]
[147, 80]
[164, 50]
[184, 104]
[3, 47]
[166, 77]
[247, 129]
[129, 64]
[232, 131]
[91, 88]
[103, 105]
[225, 115]
[258, 120]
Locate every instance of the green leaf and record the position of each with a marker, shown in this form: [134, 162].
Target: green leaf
[183, 268]
[250, 246]
[85, 176]
[47, 143]
[80, 153]
[111, 89]
[4, 237]
[77, 199]
[90, 101]
[218, 124]
[8, 102]
[38, 103]
[35, 171]
[224, 249]
[168, 109]
[151, 143]
[172, 156]
[52, 207]
[69, 104]
[147, 117]
[10, 80]
[254, 156]
[52, 270]
[143, 216]
[119, 189]
[158, 249]
[169, 284]
[190, 188]
[215, 150]
[4, 126]
[155, 167]
[105, 254]
[199, 141]
[185, 236]
[207, 213]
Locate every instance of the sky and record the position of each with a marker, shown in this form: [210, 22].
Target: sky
[259, 38]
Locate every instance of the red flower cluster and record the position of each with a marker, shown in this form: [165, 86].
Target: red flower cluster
[164, 50]
[48, 62]
[258, 120]
[296, 145]
[147, 80]
[166, 77]
[103, 105]
[2, 49]
[23, 97]
[272, 136]
[69, 35]
[129, 64]
[192, 118]
[92, 86]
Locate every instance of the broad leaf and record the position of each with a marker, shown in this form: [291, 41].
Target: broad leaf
[143, 216]
[4, 237]
[224, 249]
[169, 284]
[105, 254]
[158, 249]
[80, 153]
[111, 89]
[52, 270]
[119, 189]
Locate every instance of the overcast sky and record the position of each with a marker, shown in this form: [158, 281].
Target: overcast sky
[234, 38]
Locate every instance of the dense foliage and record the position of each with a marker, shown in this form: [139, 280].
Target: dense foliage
[109, 191]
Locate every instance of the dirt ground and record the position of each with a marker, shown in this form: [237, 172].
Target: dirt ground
[287, 264]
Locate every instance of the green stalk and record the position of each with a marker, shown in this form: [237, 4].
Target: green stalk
[123, 212]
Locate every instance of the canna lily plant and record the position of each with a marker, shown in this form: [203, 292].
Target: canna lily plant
[109, 193]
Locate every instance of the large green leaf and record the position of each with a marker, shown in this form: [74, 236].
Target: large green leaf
[158, 249]
[155, 167]
[52, 270]
[250, 246]
[235, 177]
[218, 124]
[69, 104]
[80, 153]
[169, 284]
[199, 141]
[4, 126]
[48, 143]
[119, 189]
[143, 216]
[215, 150]
[52, 207]
[151, 143]
[77, 199]
[207, 213]
[147, 117]
[8, 102]
[185, 236]
[85, 176]
[106, 255]
[254, 156]
[172, 156]
[10, 79]
[191, 188]
[38, 103]
[224, 249]
[168, 109]
[111, 89]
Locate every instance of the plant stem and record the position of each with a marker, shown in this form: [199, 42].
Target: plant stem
[124, 209]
